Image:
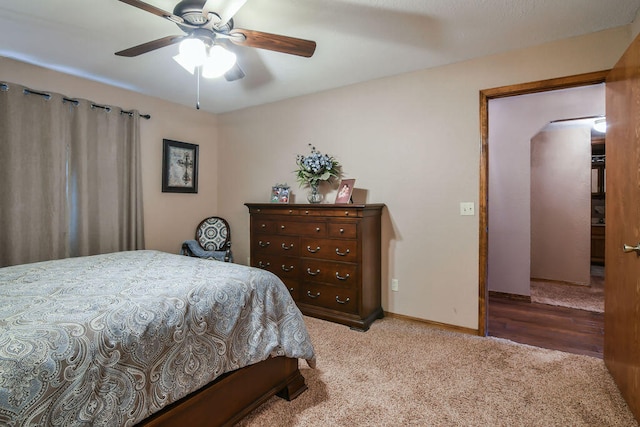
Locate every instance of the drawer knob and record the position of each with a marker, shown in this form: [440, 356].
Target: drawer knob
[285, 269]
[313, 251]
[342, 302]
[291, 290]
[263, 244]
[290, 211]
[342, 253]
[310, 295]
[346, 213]
[339, 277]
[263, 265]
[263, 225]
[287, 247]
[306, 212]
[313, 273]
[342, 231]
[282, 227]
[317, 229]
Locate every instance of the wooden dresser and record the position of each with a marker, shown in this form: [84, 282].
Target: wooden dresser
[329, 256]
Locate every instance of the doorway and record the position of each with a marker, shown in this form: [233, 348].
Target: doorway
[485, 96]
[567, 209]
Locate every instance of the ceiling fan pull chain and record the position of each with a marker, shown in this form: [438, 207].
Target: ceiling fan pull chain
[197, 88]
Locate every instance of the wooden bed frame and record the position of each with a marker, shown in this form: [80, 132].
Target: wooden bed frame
[229, 398]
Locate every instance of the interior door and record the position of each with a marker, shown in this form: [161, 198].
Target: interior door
[622, 269]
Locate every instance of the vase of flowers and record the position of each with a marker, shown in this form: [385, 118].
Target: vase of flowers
[314, 196]
[315, 168]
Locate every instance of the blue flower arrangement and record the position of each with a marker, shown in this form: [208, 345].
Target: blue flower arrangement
[316, 167]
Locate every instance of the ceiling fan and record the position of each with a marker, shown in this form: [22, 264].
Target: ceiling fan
[213, 32]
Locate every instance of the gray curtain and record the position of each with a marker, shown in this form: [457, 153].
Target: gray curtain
[70, 181]
[105, 189]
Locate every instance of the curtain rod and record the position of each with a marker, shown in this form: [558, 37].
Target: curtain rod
[5, 87]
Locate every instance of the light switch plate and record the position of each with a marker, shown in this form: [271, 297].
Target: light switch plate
[467, 208]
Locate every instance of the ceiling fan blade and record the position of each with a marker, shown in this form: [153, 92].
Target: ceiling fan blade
[227, 10]
[198, 4]
[155, 10]
[149, 46]
[235, 73]
[274, 42]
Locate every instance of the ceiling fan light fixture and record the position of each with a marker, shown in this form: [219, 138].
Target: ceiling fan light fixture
[219, 61]
[193, 51]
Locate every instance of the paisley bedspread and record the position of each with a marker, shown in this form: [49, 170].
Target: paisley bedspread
[110, 339]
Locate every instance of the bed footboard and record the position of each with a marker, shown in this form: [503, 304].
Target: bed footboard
[228, 399]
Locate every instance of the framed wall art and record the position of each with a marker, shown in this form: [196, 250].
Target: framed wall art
[344, 191]
[179, 167]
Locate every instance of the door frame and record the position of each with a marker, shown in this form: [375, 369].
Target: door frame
[486, 95]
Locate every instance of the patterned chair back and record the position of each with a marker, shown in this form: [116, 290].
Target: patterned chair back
[213, 234]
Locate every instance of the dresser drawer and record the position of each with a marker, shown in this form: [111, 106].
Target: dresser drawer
[340, 299]
[273, 210]
[302, 228]
[263, 225]
[334, 273]
[329, 249]
[285, 267]
[337, 212]
[275, 245]
[293, 286]
[347, 230]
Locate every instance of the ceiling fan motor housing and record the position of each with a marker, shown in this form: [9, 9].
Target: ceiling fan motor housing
[190, 8]
[191, 11]
[207, 36]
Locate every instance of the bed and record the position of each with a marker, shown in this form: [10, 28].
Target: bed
[146, 338]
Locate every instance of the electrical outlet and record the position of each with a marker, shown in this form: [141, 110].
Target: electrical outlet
[467, 208]
[394, 285]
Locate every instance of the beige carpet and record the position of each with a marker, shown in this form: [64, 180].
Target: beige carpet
[590, 298]
[403, 373]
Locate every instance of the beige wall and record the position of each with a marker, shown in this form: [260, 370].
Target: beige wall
[169, 217]
[635, 25]
[561, 204]
[413, 142]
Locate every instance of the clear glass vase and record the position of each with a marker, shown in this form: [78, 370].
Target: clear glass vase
[314, 196]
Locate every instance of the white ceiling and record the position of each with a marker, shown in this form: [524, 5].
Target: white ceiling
[357, 40]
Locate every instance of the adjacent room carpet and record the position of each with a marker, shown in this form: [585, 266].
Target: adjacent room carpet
[590, 298]
[404, 373]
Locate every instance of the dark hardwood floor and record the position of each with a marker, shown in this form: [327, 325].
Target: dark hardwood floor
[547, 326]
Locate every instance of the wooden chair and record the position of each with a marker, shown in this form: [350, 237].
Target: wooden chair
[213, 241]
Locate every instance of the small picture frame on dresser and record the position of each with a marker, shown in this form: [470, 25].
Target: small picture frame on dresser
[280, 193]
[344, 191]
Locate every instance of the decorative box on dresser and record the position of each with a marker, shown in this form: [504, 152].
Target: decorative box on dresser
[328, 256]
